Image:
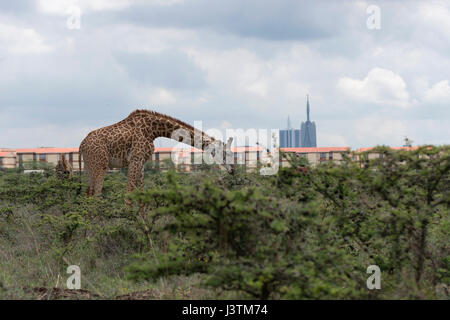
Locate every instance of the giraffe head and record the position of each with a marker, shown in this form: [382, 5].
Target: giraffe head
[227, 154]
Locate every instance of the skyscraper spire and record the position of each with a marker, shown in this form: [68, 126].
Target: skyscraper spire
[307, 107]
[288, 123]
[308, 130]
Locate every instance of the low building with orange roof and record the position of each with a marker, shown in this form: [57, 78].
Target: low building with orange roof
[47, 155]
[8, 158]
[188, 157]
[370, 153]
[315, 155]
[407, 148]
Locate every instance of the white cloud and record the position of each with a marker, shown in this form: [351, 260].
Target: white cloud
[61, 7]
[423, 131]
[44, 136]
[372, 131]
[166, 3]
[224, 125]
[150, 40]
[17, 40]
[162, 96]
[380, 86]
[259, 81]
[328, 139]
[439, 93]
[236, 70]
[435, 15]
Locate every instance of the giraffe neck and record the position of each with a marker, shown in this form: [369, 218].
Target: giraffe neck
[195, 137]
[161, 125]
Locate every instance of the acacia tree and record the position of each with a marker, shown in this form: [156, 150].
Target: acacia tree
[415, 184]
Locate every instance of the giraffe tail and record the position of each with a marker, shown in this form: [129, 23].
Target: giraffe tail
[80, 153]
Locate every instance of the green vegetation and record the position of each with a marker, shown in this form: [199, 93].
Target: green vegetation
[305, 233]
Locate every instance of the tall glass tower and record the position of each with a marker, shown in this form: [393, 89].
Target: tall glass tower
[290, 137]
[308, 130]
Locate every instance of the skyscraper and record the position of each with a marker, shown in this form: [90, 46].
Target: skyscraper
[289, 138]
[308, 130]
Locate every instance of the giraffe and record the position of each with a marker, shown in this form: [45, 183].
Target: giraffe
[129, 143]
[63, 169]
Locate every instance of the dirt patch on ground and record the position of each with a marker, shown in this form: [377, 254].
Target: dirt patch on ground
[56, 293]
[139, 295]
[42, 293]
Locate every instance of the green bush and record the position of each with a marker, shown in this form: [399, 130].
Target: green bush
[304, 233]
[309, 232]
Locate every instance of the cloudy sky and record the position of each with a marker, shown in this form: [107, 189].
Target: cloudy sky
[227, 63]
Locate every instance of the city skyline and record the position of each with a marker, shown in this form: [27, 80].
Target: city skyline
[303, 137]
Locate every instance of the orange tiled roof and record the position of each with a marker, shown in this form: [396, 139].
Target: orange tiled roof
[7, 154]
[317, 149]
[393, 148]
[170, 149]
[47, 150]
[233, 149]
[166, 149]
[247, 148]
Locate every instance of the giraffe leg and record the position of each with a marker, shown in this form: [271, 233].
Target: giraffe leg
[135, 175]
[98, 182]
[96, 168]
[90, 181]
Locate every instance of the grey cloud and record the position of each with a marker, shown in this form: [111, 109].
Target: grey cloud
[62, 89]
[170, 68]
[272, 20]
[17, 7]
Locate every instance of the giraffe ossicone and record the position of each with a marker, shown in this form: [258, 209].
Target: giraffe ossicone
[129, 143]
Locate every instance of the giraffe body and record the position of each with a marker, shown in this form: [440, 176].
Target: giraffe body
[128, 143]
